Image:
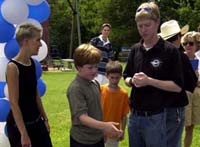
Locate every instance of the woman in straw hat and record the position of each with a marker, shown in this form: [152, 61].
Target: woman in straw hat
[171, 32]
[191, 44]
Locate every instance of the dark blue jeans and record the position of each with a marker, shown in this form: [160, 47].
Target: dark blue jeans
[147, 131]
[175, 118]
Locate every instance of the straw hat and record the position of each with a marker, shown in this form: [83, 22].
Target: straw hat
[185, 29]
[171, 28]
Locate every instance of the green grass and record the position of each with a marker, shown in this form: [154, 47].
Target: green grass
[57, 109]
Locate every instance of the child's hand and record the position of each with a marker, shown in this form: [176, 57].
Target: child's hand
[121, 137]
[110, 128]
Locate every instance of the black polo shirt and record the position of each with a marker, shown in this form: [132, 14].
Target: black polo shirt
[161, 62]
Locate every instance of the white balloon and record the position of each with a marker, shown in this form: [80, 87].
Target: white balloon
[14, 11]
[3, 65]
[33, 21]
[4, 142]
[34, 2]
[198, 54]
[2, 45]
[43, 51]
[2, 127]
[6, 91]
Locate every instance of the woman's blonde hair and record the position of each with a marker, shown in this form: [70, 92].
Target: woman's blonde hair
[191, 36]
[86, 54]
[147, 10]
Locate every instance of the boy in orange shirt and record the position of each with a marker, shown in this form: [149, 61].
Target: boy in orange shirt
[114, 101]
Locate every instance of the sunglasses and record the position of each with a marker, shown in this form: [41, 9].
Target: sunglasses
[148, 9]
[106, 25]
[190, 43]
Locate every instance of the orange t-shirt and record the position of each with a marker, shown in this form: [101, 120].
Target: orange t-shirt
[115, 104]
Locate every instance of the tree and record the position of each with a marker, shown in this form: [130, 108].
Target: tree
[184, 11]
[119, 13]
[60, 26]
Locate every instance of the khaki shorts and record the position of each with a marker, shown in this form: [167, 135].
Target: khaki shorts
[192, 110]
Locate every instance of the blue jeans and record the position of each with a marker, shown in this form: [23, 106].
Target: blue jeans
[147, 131]
[175, 118]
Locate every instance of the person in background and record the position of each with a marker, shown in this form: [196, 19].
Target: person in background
[114, 102]
[191, 44]
[83, 95]
[170, 31]
[154, 72]
[27, 122]
[102, 42]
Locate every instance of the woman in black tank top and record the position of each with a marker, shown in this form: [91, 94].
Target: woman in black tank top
[27, 122]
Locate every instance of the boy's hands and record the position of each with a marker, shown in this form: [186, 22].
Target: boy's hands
[121, 137]
[110, 128]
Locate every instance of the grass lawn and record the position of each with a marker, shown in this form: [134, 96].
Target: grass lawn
[56, 106]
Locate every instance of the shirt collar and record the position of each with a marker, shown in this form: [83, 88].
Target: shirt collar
[156, 46]
[83, 80]
[104, 42]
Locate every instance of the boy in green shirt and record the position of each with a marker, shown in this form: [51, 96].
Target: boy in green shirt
[84, 100]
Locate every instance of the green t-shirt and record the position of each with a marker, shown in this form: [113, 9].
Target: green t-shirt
[84, 98]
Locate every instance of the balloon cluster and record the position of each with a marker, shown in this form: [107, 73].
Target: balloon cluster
[12, 13]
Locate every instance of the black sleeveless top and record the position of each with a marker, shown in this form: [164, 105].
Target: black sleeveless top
[27, 93]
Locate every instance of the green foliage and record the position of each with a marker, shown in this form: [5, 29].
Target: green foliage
[119, 13]
[60, 25]
[90, 19]
[122, 20]
[184, 11]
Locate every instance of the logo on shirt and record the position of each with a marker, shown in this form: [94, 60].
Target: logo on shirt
[156, 63]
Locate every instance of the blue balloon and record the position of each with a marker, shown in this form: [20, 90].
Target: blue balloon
[39, 12]
[11, 48]
[7, 30]
[2, 85]
[4, 109]
[41, 87]
[38, 69]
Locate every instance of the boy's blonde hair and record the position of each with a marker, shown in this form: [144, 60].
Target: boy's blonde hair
[147, 10]
[86, 54]
[114, 67]
[192, 37]
[26, 30]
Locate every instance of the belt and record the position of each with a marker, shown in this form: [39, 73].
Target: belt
[34, 121]
[39, 118]
[146, 113]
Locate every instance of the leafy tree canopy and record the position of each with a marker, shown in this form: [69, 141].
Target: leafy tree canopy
[119, 13]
